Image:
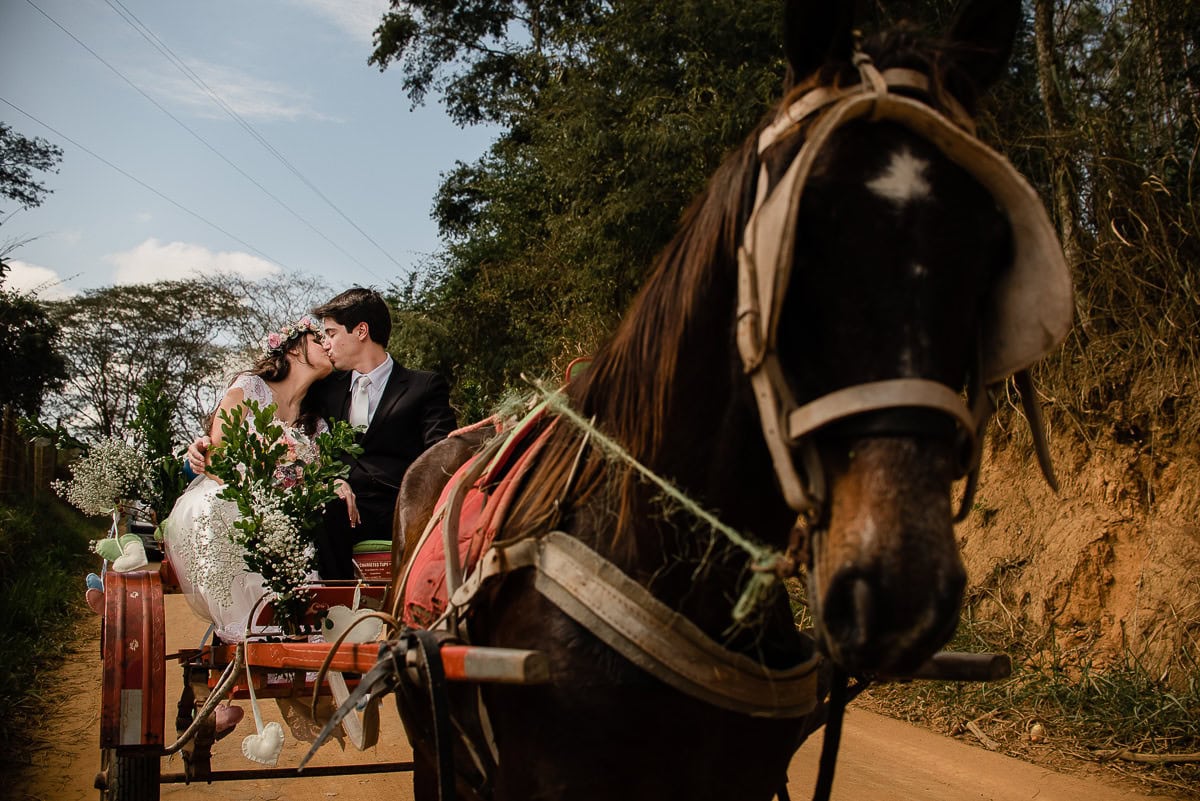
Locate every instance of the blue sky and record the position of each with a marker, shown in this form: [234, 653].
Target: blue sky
[295, 71]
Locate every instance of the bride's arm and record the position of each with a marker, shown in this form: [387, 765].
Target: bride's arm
[199, 450]
[233, 399]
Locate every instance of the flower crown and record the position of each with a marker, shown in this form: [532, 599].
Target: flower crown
[278, 341]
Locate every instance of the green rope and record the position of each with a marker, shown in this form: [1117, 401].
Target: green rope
[762, 557]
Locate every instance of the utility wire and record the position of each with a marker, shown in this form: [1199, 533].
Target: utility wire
[196, 135]
[162, 47]
[142, 183]
[144, 31]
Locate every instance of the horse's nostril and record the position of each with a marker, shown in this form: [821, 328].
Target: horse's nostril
[850, 610]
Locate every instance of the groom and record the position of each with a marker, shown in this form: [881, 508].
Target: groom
[404, 411]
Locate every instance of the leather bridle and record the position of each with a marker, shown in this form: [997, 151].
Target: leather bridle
[765, 261]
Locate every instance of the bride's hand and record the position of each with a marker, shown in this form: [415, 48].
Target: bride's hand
[346, 494]
[197, 455]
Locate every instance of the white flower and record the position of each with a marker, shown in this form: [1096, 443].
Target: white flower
[112, 472]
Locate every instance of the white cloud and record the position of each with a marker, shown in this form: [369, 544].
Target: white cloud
[158, 261]
[359, 18]
[41, 282]
[252, 98]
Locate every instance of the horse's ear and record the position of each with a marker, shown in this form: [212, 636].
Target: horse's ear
[984, 31]
[816, 32]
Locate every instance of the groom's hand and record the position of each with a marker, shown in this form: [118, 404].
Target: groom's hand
[197, 455]
[346, 494]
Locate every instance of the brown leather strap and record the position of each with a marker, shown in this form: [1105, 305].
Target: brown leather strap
[622, 613]
[876, 395]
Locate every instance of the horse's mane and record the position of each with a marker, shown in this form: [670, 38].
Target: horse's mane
[627, 390]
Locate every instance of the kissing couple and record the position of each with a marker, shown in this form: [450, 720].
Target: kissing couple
[328, 366]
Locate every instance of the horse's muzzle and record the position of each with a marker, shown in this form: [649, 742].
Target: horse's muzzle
[867, 630]
[886, 579]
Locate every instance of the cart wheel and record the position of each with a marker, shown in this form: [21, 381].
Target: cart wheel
[128, 777]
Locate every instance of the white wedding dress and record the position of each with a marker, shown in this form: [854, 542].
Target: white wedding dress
[210, 568]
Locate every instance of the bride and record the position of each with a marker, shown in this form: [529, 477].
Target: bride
[208, 565]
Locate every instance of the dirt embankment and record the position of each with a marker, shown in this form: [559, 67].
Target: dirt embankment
[1108, 568]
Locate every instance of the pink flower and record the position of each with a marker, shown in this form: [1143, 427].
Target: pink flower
[274, 340]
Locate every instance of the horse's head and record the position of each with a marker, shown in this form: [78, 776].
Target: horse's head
[892, 265]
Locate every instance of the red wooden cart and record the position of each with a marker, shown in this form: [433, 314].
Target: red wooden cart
[133, 736]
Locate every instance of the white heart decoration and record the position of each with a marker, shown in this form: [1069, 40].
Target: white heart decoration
[340, 618]
[264, 747]
[133, 556]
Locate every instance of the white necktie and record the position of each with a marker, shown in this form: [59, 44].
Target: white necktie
[360, 402]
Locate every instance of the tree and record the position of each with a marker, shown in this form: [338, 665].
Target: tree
[620, 113]
[267, 303]
[184, 339]
[118, 339]
[30, 361]
[20, 157]
[489, 59]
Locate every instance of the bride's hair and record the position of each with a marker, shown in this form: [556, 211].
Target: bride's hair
[274, 366]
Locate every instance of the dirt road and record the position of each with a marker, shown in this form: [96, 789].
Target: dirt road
[881, 759]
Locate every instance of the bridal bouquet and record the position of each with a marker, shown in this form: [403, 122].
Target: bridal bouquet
[280, 480]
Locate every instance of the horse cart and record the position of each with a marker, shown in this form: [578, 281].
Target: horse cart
[810, 366]
[134, 735]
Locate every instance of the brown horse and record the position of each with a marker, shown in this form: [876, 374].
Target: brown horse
[794, 365]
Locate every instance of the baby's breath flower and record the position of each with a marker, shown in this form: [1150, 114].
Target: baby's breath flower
[113, 472]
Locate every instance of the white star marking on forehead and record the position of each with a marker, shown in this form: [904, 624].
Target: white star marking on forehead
[903, 180]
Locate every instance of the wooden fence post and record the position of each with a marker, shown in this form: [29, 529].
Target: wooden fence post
[9, 454]
[26, 468]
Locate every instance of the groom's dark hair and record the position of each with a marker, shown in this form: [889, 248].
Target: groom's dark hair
[360, 305]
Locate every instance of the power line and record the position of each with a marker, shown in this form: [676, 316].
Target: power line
[196, 135]
[142, 183]
[144, 30]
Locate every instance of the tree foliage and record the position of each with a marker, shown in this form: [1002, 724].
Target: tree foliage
[182, 340]
[1127, 77]
[118, 339]
[20, 158]
[267, 304]
[620, 114]
[30, 361]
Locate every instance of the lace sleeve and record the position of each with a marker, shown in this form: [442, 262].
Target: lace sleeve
[253, 388]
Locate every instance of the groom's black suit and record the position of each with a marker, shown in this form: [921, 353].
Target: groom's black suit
[413, 413]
